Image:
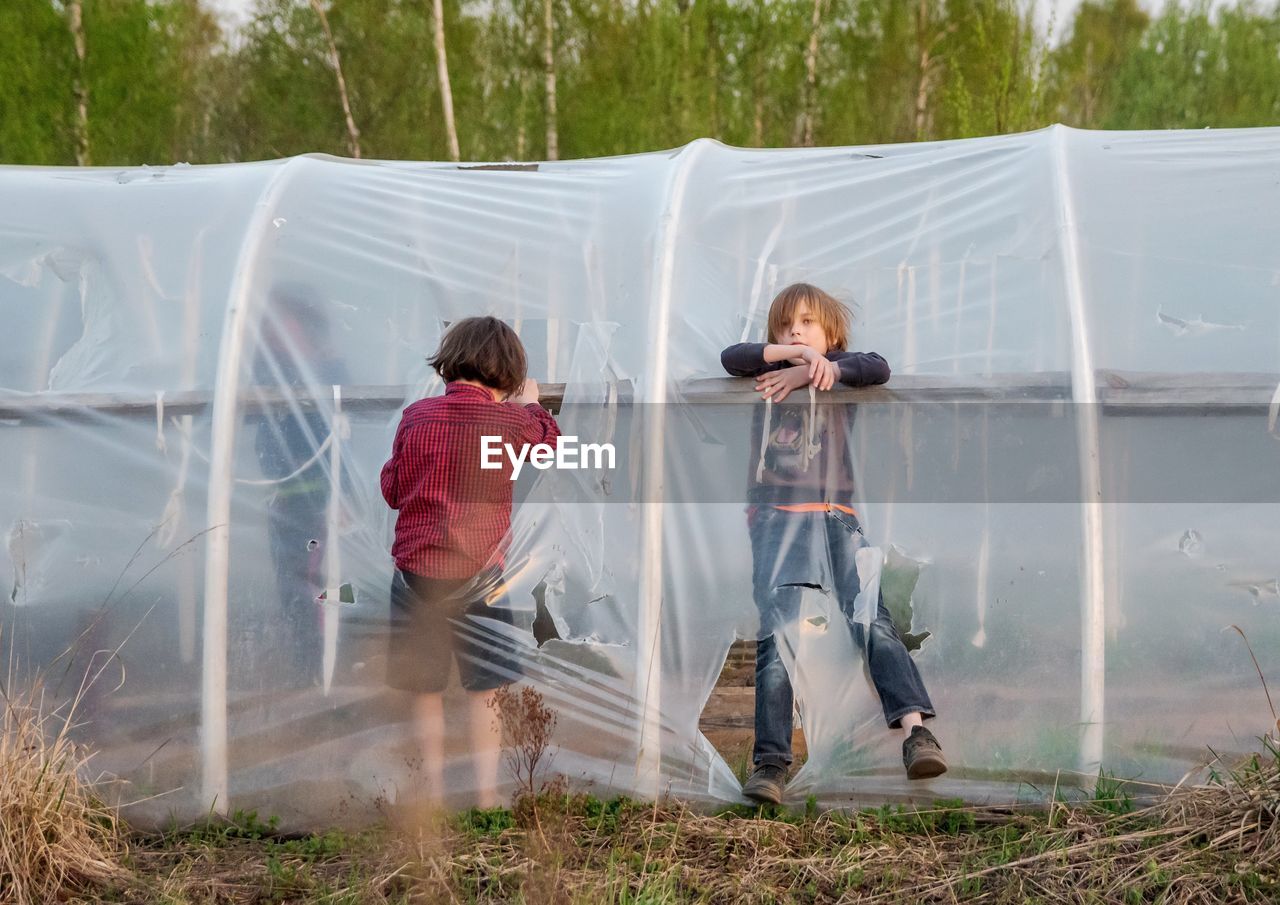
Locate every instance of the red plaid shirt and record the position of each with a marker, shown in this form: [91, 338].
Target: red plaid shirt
[453, 514]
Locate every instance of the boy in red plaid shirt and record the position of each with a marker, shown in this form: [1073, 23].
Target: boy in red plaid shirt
[449, 538]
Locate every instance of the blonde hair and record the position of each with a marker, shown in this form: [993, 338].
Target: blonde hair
[833, 315]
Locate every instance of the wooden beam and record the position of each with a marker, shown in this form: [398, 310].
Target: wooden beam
[1119, 392]
[1137, 393]
[254, 401]
[1042, 387]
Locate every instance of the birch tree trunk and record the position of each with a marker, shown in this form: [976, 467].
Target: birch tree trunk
[922, 93]
[927, 41]
[1086, 114]
[75, 21]
[757, 80]
[713, 71]
[683, 76]
[528, 63]
[446, 92]
[520, 131]
[353, 134]
[549, 64]
[811, 80]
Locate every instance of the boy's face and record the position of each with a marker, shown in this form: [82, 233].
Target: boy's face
[804, 330]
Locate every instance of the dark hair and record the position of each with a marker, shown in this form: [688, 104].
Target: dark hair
[485, 350]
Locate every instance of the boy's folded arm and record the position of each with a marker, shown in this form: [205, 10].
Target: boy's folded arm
[745, 359]
[543, 428]
[390, 477]
[391, 492]
[862, 369]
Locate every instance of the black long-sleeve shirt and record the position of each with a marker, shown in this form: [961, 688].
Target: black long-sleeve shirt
[806, 456]
[857, 369]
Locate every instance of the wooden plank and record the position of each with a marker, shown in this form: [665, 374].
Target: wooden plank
[1210, 393]
[254, 401]
[1047, 386]
[1119, 392]
[1155, 380]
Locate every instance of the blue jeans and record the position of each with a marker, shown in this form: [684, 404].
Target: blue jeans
[795, 551]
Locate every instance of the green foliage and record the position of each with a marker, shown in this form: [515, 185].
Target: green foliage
[35, 84]
[240, 825]
[949, 816]
[164, 84]
[605, 816]
[1109, 795]
[317, 847]
[485, 821]
[246, 826]
[1104, 36]
[1194, 69]
[144, 64]
[601, 816]
[663, 889]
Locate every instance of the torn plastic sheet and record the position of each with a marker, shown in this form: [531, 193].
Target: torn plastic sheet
[1181, 327]
[33, 548]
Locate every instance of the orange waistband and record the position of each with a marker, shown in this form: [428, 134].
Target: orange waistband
[817, 507]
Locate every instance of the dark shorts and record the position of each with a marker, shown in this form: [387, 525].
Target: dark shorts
[435, 621]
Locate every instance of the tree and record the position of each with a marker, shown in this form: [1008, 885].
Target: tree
[1194, 69]
[75, 22]
[279, 96]
[931, 31]
[442, 73]
[353, 134]
[805, 130]
[991, 80]
[140, 57]
[549, 61]
[134, 81]
[871, 95]
[1104, 36]
[37, 70]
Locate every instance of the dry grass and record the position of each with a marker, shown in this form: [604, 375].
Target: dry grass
[1219, 842]
[55, 836]
[1214, 842]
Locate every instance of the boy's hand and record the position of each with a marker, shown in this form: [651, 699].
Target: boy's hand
[823, 373]
[528, 393]
[777, 385]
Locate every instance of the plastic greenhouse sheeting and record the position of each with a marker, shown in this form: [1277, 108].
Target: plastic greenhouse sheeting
[1069, 483]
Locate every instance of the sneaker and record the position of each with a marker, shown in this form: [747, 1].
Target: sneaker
[765, 784]
[922, 755]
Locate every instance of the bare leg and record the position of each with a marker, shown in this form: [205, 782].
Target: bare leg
[909, 722]
[428, 718]
[486, 747]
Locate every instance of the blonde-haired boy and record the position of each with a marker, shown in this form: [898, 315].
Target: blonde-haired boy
[805, 532]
